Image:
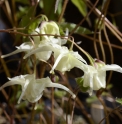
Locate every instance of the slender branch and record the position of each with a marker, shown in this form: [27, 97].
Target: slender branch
[84, 18]
[32, 114]
[109, 114]
[99, 24]
[81, 106]
[92, 39]
[111, 27]
[72, 114]
[52, 105]
[63, 10]
[102, 102]
[102, 48]
[111, 51]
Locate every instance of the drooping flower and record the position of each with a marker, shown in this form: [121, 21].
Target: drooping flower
[32, 89]
[65, 59]
[45, 28]
[51, 28]
[29, 47]
[43, 51]
[95, 76]
[25, 47]
[48, 31]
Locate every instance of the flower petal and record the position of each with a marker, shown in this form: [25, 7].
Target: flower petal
[12, 53]
[76, 55]
[49, 28]
[56, 62]
[22, 48]
[45, 48]
[61, 87]
[112, 67]
[23, 90]
[43, 55]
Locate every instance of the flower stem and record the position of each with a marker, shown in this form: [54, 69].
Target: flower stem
[63, 10]
[32, 114]
[98, 94]
[52, 105]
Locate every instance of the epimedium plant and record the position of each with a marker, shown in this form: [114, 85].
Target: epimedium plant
[64, 60]
[47, 42]
[50, 43]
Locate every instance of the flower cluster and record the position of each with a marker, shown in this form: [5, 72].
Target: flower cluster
[47, 43]
[32, 89]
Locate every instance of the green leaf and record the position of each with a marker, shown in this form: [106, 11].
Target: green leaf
[81, 6]
[48, 7]
[34, 24]
[91, 99]
[25, 21]
[80, 84]
[59, 93]
[119, 100]
[22, 105]
[79, 30]
[27, 18]
[58, 6]
[21, 11]
[109, 86]
[39, 107]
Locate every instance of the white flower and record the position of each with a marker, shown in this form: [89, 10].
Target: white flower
[65, 59]
[29, 47]
[43, 51]
[50, 28]
[32, 89]
[95, 76]
[25, 47]
[40, 42]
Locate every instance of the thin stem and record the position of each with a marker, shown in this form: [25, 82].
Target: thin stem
[72, 114]
[89, 57]
[87, 54]
[95, 32]
[42, 68]
[32, 114]
[101, 20]
[27, 35]
[111, 51]
[110, 113]
[113, 31]
[92, 39]
[115, 14]
[63, 10]
[5, 113]
[71, 47]
[84, 18]
[52, 105]
[112, 28]
[14, 12]
[102, 102]
[9, 14]
[5, 68]
[102, 48]
[7, 74]
[42, 118]
[67, 111]
[79, 102]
